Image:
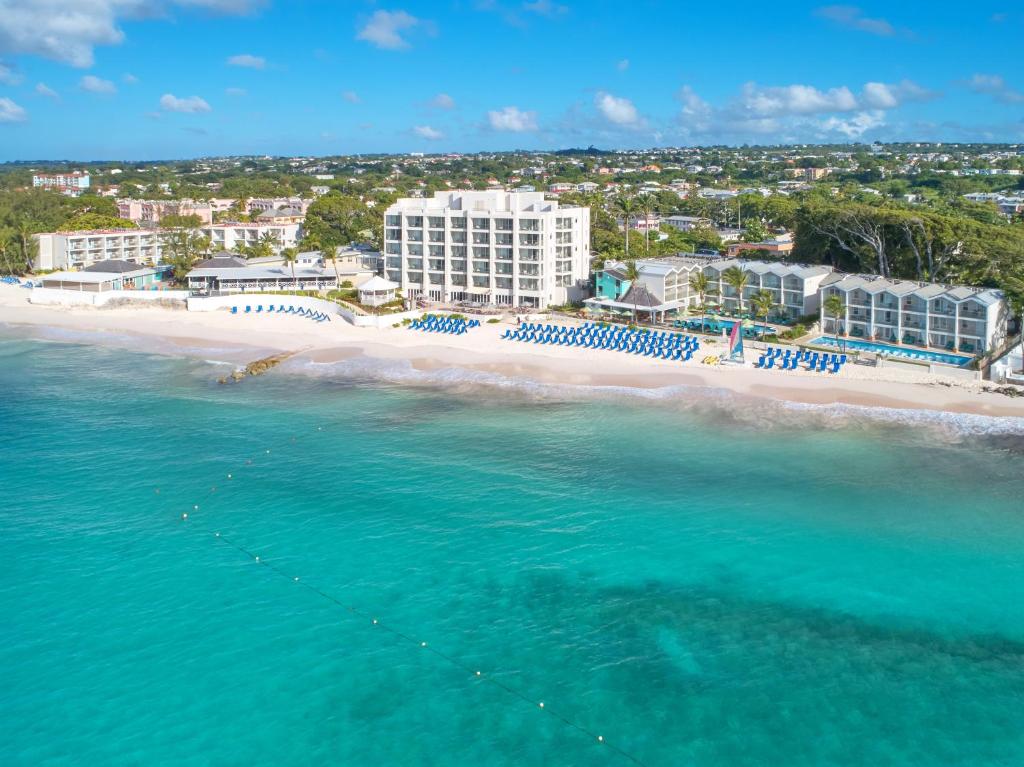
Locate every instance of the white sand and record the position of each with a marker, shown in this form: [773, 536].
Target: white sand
[246, 336]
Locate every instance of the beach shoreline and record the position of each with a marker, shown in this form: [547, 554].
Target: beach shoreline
[239, 339]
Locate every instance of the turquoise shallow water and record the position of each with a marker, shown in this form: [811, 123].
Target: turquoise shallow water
[700, 588]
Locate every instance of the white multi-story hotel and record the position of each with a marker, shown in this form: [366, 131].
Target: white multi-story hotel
[231, 237]
[149, 212]
[504, 248]
[926, 314]
[795, 287]
[72, 184]
[76, 250]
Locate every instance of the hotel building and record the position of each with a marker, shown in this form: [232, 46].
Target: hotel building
[666, 281]
[77, 250]
[71, 184]
[963, 319]
[231, 237]
[795, 287]
[499, 248]
[149, 212]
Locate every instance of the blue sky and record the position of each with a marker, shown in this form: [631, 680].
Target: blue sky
[156, 79]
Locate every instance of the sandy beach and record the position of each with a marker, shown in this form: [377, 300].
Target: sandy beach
[221, 335]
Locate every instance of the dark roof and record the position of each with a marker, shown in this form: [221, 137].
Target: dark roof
[221, 262]
[618, 274]
[114, 266]
[638, 295]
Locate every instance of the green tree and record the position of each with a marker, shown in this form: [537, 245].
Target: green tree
[182, 247]
[645, 204]
[736, 278]
[701, 285]
[290, 256]
[762, 303]
[336, 219]
[87, 221]
[755, 231]
[625, 205]
[633, 275]
[834, 308]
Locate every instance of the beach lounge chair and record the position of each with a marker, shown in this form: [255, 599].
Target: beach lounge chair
[234, 310]
[248, 309]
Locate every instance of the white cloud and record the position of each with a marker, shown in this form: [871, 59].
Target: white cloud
[45, 90]
[235, 91]
[853, 17]
[11, 112]
[616, 109]
[889, 96]
[696, 113]
[191, 105]
[8, 76]
[351, 97]
[129, 79]
[855, 126]
[69, 30]
[996, 87]
[512, 119]
[95, 84]
[384, 29]
[774, 101]
[247, 60]
[425, 131]
[442, 101]
[622, 65]
[545, 8]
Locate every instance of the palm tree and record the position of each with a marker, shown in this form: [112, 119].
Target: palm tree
[701, 285]
[835, 307]
[626, 205]
[290, 256]
[736, 278]
[632, 274]
[645, 205]
[763, 301]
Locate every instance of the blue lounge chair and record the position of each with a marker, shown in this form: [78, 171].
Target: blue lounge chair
[234, 310]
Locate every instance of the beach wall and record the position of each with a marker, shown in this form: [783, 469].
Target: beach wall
[58, 297]
[242, 300]
[942, 371]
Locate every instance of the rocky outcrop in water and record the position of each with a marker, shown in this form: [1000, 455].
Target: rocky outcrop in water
[257, 368]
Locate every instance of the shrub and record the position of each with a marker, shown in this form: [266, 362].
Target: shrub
[493, 320]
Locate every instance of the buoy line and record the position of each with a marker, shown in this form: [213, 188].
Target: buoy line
[374, 621]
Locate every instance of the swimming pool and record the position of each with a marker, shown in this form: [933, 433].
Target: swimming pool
[894, 351]
[717, 326]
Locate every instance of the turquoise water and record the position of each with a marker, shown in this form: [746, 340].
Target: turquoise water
[699, 584]
[894, 351]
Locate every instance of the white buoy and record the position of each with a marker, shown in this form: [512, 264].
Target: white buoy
[195, 508]
[600, 738]
[541, 704]
[374, 621]
[257, 559]
[229, 476]
[296, 579]
[216, 535]
[478, 673]
[268, 452]
[423, 644]
[185, 515]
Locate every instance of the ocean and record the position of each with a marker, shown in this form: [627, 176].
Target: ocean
[695, 578]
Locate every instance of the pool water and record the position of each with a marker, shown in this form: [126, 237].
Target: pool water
[717, 326]
[895, 351]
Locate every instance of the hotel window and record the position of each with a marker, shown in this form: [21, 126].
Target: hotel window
[563, 223]
[393, 247]
[394, 234]
[504, 283]
[458, 266]
[459, 250]
[414, 221]
[503, 224]
[481, 267]
[458, 223]
[529, 254]
[436, 222]
[414, 235]
[529, 225]
[436, 236]
[481, 282]
[525, 284]
[458, 237]
[481, 238]
[414, 250]
[481, 223]
[436, 251]
[503, 254]
[531, 240]
[481, 252]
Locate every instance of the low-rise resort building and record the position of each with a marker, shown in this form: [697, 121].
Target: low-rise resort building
[231, 274]
[926, 314]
